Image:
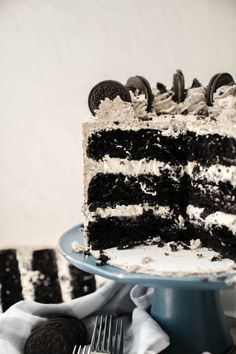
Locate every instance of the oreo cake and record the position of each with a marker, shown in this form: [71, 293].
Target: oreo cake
[160, 165]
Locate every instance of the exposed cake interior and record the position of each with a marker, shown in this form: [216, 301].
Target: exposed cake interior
[168, 173]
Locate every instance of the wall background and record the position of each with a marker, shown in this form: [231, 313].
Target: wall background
[51, 54]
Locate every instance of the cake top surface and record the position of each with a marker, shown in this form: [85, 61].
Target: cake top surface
[210, 110]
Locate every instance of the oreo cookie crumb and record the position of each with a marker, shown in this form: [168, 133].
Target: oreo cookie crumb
[167, 254]
[102, 259]
[173, 247]
[185, 112]
[196, 83]
[161, 87]
[87, 253]
[199, 255]
[216, 258]
[160, 243]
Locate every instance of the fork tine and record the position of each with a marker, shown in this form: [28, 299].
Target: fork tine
[106, 340]
[118, 341]
[98, 340]
[76, 349]
[79, 349]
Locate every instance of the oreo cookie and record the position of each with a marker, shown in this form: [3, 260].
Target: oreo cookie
[217, 81]
[142, 85]
[178, 87]
[107, 89]
[196, 83]
[57, 335]
[161, 87]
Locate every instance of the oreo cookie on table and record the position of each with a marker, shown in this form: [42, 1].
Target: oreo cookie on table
[107, 89]
[142, 85]
[58, 335]
[178, 87]
[217, 81]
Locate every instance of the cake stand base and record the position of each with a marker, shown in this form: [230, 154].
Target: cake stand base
[188, 308]
[193, 319]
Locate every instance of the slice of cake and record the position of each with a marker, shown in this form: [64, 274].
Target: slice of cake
[161, 164]
[42, 275]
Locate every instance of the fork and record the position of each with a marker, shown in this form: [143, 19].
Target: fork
[101, 341]
[102, 335]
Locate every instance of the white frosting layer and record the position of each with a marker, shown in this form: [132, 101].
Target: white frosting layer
[136, 167]
[214, 173]
[132, 210]
[218, 218]
[64, 277]
[28, 276]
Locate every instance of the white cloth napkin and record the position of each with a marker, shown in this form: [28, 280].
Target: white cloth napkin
[142, 334]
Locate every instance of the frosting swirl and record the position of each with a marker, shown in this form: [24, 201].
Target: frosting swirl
[163, 103]
[224, 96]
[195, 101]
[139, 104]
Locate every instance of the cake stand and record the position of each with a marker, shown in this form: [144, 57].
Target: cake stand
[188, 308]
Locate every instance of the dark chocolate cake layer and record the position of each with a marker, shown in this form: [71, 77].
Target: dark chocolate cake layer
[126, 231]
[11, 289]
[47, 288]
[118, 189]
[151, 144]
[123, 232]
[218, 238]
[217, 197]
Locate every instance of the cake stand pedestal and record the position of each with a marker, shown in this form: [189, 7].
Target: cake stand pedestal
[187, 308]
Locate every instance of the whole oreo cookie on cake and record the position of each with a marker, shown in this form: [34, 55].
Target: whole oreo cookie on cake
[161, 163]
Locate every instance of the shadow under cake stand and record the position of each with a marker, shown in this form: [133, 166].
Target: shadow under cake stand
[188, 308]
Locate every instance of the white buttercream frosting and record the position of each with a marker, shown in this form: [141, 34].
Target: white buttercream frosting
[136, 167]
[195, 100]
[132, 210]
[163, 103]
[214, 173]
[139, 103]
[218, 218]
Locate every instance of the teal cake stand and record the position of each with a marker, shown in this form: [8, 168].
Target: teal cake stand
[187, 308]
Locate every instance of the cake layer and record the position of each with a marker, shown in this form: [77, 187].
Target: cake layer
[112, 189]
[47, 287]
[206, 218]
[217, 238]
[126, 231]
[153, 144]
[10, 286]
[221, 196]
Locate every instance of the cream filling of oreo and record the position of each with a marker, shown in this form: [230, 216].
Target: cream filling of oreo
[218, 218]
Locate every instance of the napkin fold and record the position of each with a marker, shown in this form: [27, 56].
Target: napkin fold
[142, 335]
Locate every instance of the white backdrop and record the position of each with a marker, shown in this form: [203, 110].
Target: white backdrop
[51, 54]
